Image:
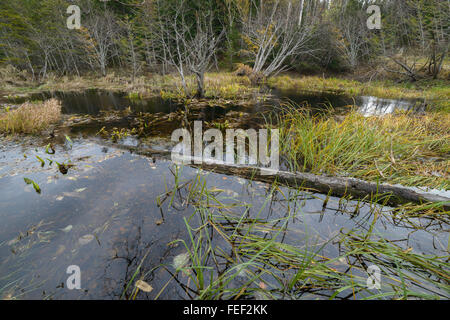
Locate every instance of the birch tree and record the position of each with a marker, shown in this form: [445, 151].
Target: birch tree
[275, 32]
[189, 45]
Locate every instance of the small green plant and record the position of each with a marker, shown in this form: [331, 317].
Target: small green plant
[35, 185]
[118, 134]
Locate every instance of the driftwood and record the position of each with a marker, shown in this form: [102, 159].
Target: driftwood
[335, 186]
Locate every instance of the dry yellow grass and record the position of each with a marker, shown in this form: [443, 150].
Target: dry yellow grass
[30, 117]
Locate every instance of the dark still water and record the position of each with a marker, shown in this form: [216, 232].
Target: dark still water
[114, 217]
[93, 101]
[120, 217]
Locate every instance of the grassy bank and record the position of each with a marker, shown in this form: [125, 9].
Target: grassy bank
[397, 148]
[436, 93]
[222, 86]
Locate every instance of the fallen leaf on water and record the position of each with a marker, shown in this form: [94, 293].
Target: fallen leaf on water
[180, 261]
[263, 286]
[159, 222]
[59, 198]
[68, 228]
[231, 193]
[13, 242]
[144, 286]
[61, 249]
[214, 189]
[8, 297]
[71, 194]
[80, 190]
[342, 260]
[86, 239]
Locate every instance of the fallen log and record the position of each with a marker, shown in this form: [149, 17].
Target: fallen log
[334, 186]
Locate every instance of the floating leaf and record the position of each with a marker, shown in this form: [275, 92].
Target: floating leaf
[13, 242]
[60, 250]
[35, 185]
[67, 229]
[86, 239]
[180, 261]
[214, 189]
[80, 190]
[144, 286]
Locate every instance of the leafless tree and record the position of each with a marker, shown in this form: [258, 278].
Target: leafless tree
[351, 41]
[130, 46]
[351, 31]
[99, 37]
[275, 32]
[188, 46]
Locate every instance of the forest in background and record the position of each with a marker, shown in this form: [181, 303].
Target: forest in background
[194, 36]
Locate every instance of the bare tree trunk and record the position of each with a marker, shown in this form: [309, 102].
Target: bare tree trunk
[335, 186]
[200, 84]
[300, 15]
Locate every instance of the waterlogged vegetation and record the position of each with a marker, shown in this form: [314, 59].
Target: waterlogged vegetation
[160, 231]
[143, 228]
[86, 178]
[237, 251]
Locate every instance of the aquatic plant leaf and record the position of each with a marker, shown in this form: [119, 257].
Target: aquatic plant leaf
[144, 286]
[68, 139]
[35, 185]
[63, 168]
[49, 147]
[41, 160]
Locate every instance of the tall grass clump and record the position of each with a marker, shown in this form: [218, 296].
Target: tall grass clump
[397, 148]
[30, 117]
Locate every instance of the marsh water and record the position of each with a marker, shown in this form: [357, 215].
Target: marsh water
[106, 215]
